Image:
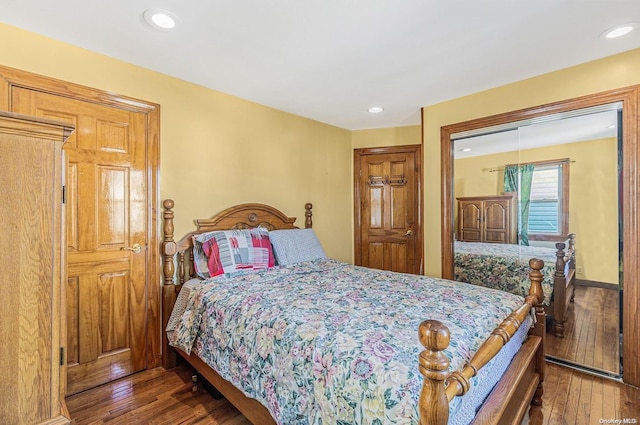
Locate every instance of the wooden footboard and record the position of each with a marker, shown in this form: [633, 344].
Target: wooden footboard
[520, 386]
[563, 284]
[522, 382]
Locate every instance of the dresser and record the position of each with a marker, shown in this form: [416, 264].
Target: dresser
[33, 270]
[488, 218]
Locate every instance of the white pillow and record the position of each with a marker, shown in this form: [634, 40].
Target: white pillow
[295, 245]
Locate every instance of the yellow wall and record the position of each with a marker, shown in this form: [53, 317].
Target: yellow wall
[593, 203]
[605, 74]
[393, 136]
[216, 150]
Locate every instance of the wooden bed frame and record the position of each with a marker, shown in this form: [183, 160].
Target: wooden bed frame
[564, 281]
[508, 403]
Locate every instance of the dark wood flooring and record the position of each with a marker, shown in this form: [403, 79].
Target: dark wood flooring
[170, 398]
[591, 334]
[154, 396]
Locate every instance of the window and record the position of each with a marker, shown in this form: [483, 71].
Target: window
[549, 206]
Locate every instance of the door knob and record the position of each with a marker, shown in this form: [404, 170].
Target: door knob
[136, 248]
[408, 233]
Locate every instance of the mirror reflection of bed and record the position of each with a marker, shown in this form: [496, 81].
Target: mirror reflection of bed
[574, 192]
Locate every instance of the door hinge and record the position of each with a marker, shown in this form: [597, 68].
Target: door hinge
[64, 194]
[61, 356]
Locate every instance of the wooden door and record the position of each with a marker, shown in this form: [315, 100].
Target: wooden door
[387, 208]
[470, 221]
[106, 197]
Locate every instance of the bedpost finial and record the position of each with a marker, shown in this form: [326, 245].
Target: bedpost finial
[434, 335]
[434, 367]
[536, 264]
[308, 221]
[168, 204]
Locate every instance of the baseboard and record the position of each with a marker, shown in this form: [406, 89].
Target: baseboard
[596, 284]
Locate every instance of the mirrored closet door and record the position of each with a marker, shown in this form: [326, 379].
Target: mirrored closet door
[522, 187]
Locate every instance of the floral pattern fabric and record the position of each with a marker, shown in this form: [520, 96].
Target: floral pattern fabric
[503, 266]
[325, 342]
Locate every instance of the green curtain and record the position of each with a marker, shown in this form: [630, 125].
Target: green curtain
[526, 177]
[524, 194]
[511, 178]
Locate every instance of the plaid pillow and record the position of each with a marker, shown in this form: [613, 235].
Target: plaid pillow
[231, 251]
[200, 259]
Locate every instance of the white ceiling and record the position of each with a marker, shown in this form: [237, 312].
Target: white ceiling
[330, 60]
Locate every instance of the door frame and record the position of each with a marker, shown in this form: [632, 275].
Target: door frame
[358, 153]
[11, 77]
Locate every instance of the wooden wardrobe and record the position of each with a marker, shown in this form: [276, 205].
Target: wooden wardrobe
[488, 218]
[33, 270]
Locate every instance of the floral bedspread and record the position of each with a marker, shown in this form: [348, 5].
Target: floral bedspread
[503, 266]
[325, 342]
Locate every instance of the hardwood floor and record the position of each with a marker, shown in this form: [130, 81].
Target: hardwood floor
[155, 397]
[572, 397]
[591, 335]
[167, 398]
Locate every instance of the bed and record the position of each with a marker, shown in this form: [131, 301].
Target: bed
[438, 384]
[505, 267]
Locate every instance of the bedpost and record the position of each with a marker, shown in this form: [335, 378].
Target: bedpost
[434, 367]
[168, 288]
[572, 245]
[559, 291]
[168, 245]
[540, 327]
[308, 222]
[572, 261]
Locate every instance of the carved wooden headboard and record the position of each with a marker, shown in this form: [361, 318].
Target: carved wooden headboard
[243, 216]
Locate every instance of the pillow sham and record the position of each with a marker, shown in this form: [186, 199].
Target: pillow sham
[295, 245]
[229, 251]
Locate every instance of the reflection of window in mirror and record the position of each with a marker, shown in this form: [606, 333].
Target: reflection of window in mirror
[548, 215]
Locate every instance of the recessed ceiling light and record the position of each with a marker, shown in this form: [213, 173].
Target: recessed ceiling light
[160, 19]
[466, 150]
[619, 31]
[376, 109]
